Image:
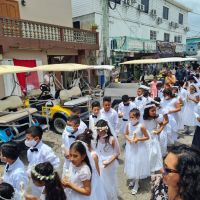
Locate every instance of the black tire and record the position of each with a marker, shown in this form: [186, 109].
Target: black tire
[59, 124]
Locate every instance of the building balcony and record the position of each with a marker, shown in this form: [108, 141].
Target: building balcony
[25, 34]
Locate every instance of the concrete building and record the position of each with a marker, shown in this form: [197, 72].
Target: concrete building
[137, 28]
[41, 30]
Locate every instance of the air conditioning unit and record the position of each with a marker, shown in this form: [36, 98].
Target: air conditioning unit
[171, 24]
[153, 12]
[176, 25]
[141, 7]
[186, 29]
[159, 20]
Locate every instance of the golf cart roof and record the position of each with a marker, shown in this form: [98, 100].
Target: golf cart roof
[139, 62]
[103, 67]
[65, 67]
[159, 60]
[11, 69]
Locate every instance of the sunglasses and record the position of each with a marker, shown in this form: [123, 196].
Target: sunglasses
[167, 171]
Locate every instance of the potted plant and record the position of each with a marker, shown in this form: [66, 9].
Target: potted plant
[94, 27]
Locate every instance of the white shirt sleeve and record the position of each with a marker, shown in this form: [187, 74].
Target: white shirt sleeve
[49, 156]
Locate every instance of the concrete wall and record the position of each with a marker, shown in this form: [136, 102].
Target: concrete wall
[57, 12]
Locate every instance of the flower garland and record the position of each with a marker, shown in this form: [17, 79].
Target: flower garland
[42, 177]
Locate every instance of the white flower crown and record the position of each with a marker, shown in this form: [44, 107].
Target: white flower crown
[42, 177]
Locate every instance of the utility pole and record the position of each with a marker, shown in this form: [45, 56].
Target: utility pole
[105, 30]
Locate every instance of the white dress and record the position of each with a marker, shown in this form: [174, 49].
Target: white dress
[155, 155]
[174, 119]
[189, 111]
[108, 174]
[98, 191]
[137, 165]
[77, 176]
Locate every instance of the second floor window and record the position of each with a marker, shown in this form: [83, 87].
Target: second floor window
[165, 13]
[178, 39]
[180, 19]
[146, 5]
[153, 35]
[166, 37]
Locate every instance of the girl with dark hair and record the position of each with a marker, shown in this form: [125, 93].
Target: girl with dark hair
[155, 124]
[43, 175]
[6, 191]
[173, 107]
[181, 175]
[87, 137]
[98, 192]
[189, 118]
[108, 150]
[78, 184]
[137, 167]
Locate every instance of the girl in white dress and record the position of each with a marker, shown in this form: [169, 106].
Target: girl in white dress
[154, 124]
[79, 180]
[137, 164]
[43, 175]
[108, 151]
[98, 192]
[173, 107]
[191, 103]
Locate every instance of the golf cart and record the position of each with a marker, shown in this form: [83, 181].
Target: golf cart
[14, 117]
[57, 110]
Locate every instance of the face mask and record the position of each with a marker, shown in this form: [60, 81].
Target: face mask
[69, 129]
[30, 143]
[127, 104]
[3, 160]
[167, 98]
[134, 121]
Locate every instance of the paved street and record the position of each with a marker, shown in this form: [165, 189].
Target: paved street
[54, 141]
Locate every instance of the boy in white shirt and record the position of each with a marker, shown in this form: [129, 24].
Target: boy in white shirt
[69, 136]
[14, 172]
[77, 111]
[123, 111]
[38, 152]
[94, 117]
[110, 115]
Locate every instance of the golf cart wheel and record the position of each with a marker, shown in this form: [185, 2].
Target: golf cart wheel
[59, 124]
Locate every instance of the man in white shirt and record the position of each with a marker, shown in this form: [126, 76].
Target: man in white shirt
[14, 172]
[123, 111]
[110, 115]
[38, 152]
[77, 111]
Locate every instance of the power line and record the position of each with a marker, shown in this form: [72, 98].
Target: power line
[195, 13]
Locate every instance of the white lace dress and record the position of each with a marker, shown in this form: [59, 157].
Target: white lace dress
[137, 165]
[77, 176]
[108, 175]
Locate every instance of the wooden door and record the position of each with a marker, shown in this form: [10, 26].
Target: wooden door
[10, 9]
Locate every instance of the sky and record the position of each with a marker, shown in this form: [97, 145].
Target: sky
[194, 20]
